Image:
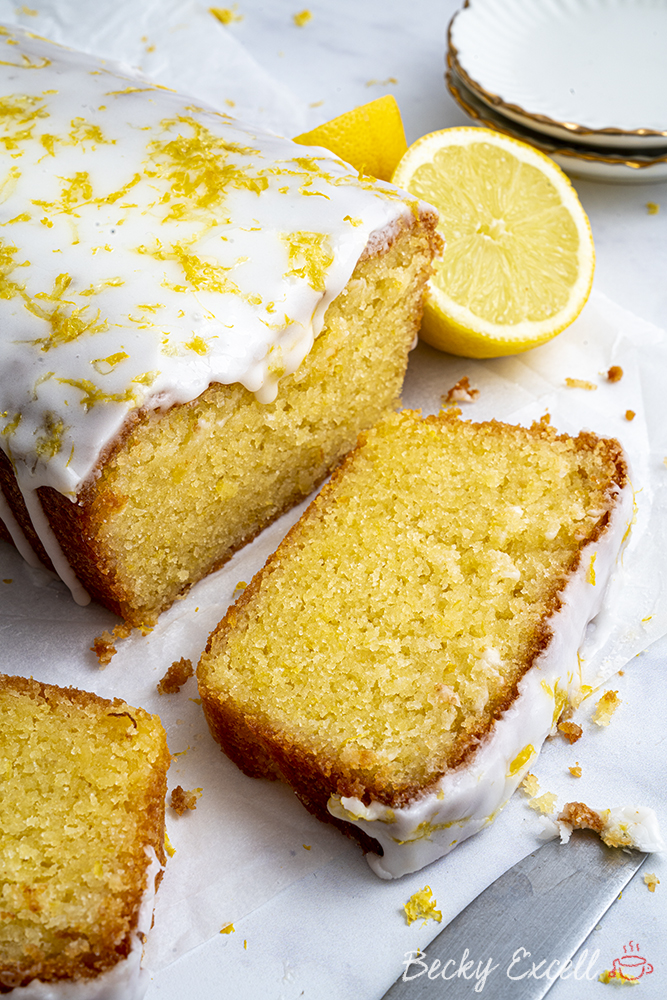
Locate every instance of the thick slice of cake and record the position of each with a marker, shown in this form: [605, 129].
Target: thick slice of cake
[196, 320]
[405, 652]
[81, 840]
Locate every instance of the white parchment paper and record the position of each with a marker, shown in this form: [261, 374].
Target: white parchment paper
[249, 840]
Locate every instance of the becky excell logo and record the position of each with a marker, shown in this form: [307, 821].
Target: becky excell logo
[629, 967]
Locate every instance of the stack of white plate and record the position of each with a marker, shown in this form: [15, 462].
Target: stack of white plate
[583, 80]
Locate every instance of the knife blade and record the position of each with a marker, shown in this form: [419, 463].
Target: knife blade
[538, 913]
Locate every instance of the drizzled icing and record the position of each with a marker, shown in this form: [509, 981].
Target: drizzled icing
[148, 247]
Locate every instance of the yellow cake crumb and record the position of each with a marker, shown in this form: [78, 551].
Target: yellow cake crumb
[652, 207]
[461, 392]
[630, 414]
[570, 730]
[228, 929]
[175, 677]
[651, 881]
[530, 785]
[303, 17]
[605, 708]
[615, 373]
[226, 15]
[182, 800]
[580, 383]
[576, 770]
[581, 817]
[422, 905]
[610, 976]
[104, 646]
[545, 803]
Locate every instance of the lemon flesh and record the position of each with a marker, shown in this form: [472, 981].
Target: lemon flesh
[370, 137]
[519, 258]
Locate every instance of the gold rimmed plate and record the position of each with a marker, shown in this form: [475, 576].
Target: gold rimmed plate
[578, 161]
[592, 72]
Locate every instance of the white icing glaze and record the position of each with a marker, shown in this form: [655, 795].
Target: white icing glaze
[126, 980]
[150, 247]
[467, 799]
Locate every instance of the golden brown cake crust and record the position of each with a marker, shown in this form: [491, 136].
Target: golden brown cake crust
[114, 939]
[262, 751]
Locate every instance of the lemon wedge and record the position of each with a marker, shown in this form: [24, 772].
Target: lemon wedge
[519, 257]
[370, 137]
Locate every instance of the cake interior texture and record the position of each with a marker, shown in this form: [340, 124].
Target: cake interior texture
[83, 786]
[182, 490]
[391, 628]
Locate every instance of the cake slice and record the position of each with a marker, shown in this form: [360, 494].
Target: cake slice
[196, 321]
[403, 655]
[81, 840]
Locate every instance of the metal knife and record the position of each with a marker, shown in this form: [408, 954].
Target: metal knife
[538, 913]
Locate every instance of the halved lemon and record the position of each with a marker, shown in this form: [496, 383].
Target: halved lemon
[519, 258]
[370, 137]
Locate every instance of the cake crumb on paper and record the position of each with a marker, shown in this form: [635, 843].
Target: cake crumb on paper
[226, 15]
[652, 207]
[651, 881]
[104, 646]
[303, 17]
[461, 392]
[615, 373]
[228, 929]
[605, 708]
[579, 816]
[570, 730]
[575, 771]
[175, 677]
[530, 785]
[422, 905]
[630, 414]
[545, 803]
[182, 800]
[580, 383]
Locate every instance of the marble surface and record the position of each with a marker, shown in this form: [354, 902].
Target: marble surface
[338, 932]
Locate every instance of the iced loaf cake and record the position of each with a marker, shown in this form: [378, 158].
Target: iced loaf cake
[403, 655]
[196, 320]
[81, 841]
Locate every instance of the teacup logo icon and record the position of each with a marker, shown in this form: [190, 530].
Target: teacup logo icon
[631, 966]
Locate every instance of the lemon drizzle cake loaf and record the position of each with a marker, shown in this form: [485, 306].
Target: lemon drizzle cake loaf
[403, 655]
[81, 840]
[195, 322]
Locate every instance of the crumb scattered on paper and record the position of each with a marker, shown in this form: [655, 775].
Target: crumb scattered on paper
[580, 817]
[530, 785]
[651, 881]
[303, 17]
[104, 646]
[630, 414]
[226, 15]
[580, 383]
[545, 803]
[239, 588]
[652, 207]
[182, 800]
[422, 906]
[605, 708]
[228, 929]
[175, 677]
[615, 373]
[381, 83]
[575, 771]
[316, 104]
[461, 392]
[570, 730]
